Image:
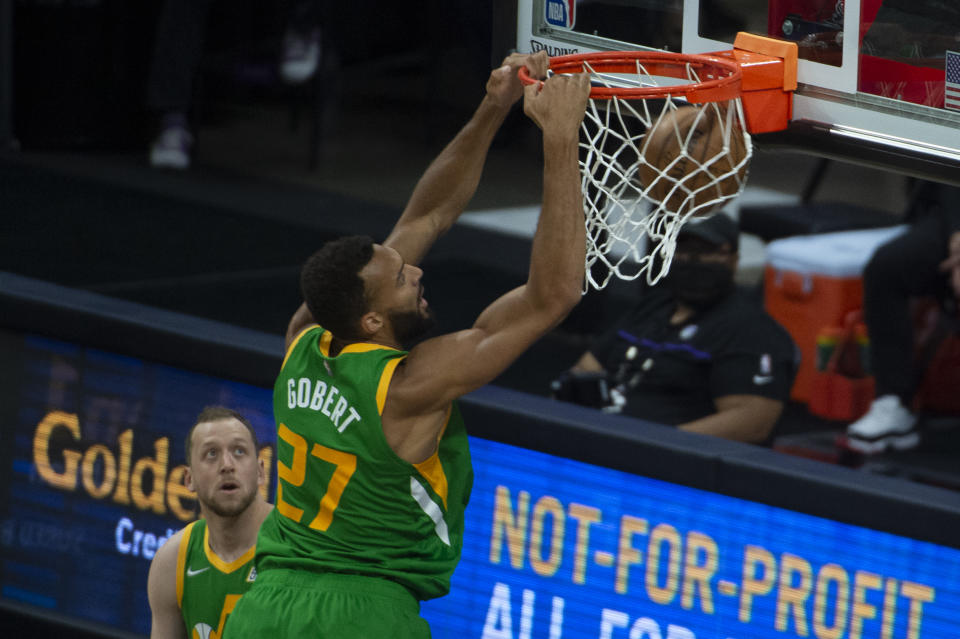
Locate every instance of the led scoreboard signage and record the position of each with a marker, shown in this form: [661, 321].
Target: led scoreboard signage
[91, 470]
[558, 548]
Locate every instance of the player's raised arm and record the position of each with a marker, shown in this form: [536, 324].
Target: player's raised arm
[443, 368]
[451, 180]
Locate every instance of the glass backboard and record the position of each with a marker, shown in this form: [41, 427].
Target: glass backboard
[882, 89]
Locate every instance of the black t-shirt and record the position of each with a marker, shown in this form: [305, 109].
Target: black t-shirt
[671, 374]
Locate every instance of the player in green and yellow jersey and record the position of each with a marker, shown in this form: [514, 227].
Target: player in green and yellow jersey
[198, 575]
[374, 467]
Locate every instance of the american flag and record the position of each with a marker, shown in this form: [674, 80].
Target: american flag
[952, 87]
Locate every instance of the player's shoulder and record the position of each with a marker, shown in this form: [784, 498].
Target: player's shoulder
[167, 552]
[419, 379]
[162, 577]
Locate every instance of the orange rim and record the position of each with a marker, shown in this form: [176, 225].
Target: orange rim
[720, 77]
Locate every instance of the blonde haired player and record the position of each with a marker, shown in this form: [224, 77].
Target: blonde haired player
[198, 575]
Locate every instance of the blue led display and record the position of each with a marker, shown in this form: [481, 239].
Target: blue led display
[554, 548]
[558, 548]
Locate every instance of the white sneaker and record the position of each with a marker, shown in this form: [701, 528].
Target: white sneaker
[888, 424]
[301, 56]
[171, 149]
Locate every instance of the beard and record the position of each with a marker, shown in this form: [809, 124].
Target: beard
[410, 326]
[231, 508]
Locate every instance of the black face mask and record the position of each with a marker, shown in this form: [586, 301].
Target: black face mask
[699, 284]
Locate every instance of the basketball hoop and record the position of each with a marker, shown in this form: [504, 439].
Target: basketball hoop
[664, 139]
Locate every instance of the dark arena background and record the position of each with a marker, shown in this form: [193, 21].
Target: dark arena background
[131, 297]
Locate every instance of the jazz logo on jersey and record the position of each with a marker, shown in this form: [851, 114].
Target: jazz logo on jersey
[560, 13]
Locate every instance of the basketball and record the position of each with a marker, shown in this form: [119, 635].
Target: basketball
[676, 168]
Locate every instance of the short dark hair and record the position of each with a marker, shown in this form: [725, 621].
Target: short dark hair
[331, 285]
[214, 414]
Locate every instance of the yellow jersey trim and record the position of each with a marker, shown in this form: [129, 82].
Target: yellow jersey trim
[182, 560]
[324, 344]
[384, 384]
[366, 347]
[220, 564]
[293, 344]
[432, 470]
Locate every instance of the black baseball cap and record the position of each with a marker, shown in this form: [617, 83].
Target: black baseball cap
[718, 229]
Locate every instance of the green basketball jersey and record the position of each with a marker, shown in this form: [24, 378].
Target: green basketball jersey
[208, 587]
[345, 502]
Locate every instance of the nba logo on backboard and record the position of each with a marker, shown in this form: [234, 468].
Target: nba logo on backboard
[560, 13]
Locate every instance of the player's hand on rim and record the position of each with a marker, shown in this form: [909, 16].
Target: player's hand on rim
[504, 86]
[558, 104]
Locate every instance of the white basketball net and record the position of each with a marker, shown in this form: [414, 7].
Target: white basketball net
[629, 232]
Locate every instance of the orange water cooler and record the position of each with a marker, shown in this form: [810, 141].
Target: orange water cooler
[811, 283]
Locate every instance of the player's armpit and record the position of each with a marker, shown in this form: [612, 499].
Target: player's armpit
[439, 370]
[166, 621]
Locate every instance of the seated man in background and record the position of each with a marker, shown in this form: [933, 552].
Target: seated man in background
[693, 353]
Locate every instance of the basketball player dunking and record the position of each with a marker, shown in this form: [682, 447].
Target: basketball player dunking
[374, 468]
[198, 575]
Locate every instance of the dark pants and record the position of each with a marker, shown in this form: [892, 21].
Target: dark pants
[179, 42]
[905, 267]
[177, 52]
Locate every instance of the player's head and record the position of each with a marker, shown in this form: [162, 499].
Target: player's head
[224, 468]
[331, 285]
[358, 289]
[705, 260]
